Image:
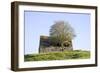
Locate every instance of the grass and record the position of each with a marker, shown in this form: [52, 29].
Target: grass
[65, 55]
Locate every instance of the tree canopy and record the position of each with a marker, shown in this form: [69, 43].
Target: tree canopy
[61, 32]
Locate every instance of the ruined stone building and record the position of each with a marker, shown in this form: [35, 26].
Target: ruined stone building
[46, 46]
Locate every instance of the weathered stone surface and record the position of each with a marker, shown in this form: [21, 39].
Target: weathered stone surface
[46, 46]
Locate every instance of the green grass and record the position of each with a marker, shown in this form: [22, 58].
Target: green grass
[65, 55]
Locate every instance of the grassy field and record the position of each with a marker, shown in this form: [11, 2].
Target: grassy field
[65, 55]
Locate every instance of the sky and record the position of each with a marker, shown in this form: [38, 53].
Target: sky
[38, 23]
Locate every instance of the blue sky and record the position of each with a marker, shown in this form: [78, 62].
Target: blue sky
[39, 23]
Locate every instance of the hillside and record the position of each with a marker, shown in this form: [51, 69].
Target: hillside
[65, 55]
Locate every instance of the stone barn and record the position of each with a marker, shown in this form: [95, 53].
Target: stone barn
[46, 45]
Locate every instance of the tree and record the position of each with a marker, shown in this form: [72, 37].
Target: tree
[61, 32]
